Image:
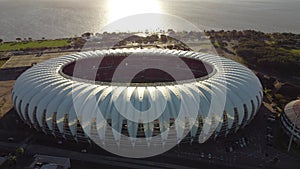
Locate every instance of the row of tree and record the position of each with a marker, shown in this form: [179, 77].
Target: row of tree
[272, 51]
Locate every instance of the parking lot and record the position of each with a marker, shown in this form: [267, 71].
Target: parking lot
[253, 146]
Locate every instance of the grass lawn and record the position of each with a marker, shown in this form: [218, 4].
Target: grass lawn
[270, 42]
[34, 44]
[216, 44]
[295, 51]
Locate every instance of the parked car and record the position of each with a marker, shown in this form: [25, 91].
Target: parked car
[10, 139]
[271, 119]
[202, 155]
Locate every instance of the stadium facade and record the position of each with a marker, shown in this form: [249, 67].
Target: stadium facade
[46, 95]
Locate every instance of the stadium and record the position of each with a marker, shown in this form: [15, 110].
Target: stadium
[66, 96]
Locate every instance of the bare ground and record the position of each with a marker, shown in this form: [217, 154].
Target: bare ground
[5, 96]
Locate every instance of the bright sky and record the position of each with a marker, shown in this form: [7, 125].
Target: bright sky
[121, 8]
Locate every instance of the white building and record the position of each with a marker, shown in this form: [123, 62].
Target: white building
[48, 98]
[290, 119]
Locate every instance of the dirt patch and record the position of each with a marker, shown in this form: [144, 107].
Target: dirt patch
[5, 96]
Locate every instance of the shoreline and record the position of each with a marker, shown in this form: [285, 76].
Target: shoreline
[145, 32]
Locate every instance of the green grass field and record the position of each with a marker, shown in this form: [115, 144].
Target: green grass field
[33, 45]
[216, 44]
[270, 42]
[295, 51]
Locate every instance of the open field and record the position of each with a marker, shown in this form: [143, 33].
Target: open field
[9, 46]
[7, 80]
[5, 96]
[28, 60]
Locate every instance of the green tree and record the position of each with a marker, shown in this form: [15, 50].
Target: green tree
[12, 160]
[87, 35]
[20, 151]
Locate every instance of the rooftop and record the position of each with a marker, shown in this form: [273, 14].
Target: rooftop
[292, 111]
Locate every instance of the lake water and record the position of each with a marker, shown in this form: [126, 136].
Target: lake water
[65, 18]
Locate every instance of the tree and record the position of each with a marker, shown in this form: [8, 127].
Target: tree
[20, 151]
[87, 35]
[152, 38]
[12, 160]
[78, 42]
[163, 38]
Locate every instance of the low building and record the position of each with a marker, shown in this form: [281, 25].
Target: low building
[50, 162]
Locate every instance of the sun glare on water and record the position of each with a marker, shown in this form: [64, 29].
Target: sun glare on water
[122, 8]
